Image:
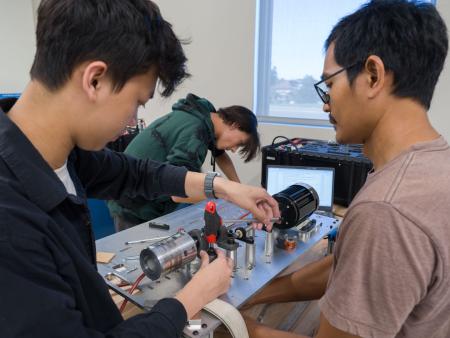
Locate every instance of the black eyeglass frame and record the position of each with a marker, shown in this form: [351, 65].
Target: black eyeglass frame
[324, 96]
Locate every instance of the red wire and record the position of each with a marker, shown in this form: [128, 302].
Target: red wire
[244, 215]
[133, 287]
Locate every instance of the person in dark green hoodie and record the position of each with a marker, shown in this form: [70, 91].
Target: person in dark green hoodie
[183, 138]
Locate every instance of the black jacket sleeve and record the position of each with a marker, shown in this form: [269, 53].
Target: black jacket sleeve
[49, 289]
[167, 319]
[110, 175]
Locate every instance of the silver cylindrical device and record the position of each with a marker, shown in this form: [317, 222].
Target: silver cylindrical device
[233, 255]
[297, 202]
[268, 246]
[167, 255]
[250, 250]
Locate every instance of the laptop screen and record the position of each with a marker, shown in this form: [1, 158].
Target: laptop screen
[320, 178]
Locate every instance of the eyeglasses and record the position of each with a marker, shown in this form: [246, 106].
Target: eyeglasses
[322, 92]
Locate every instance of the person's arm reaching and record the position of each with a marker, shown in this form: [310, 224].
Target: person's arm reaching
[109, 175]
[226, 165]
[308, 283]
[190, 200]
[326, 330]
[254, 199]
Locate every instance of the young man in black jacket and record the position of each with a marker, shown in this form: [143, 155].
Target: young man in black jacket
[96, 62]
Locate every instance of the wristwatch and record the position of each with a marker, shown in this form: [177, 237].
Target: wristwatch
[208, 185]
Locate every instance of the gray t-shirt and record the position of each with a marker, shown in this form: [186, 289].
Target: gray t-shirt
[390, 276]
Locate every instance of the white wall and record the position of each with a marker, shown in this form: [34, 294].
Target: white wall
[221, 60]
[220, 57]
[440, 106]
[18, 44]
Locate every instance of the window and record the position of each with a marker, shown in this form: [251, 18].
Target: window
[290, 55]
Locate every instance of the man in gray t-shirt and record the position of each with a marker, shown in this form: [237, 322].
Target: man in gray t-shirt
[390, 273]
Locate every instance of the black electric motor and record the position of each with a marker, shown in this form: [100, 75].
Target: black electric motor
[297, 202]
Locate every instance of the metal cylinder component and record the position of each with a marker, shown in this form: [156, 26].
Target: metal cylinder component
[167, 255]
[250, 251]
[296, 203]
[268, 246]
[233, 255]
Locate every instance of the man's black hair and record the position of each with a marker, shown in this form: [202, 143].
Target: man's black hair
[130, 36]
[245, 121]
[410, 38]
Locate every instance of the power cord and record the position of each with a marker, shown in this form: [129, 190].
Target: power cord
[284, 138]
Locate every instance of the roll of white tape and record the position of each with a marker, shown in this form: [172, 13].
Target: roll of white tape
[229, 316]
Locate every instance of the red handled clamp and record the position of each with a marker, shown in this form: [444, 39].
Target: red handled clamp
[213, 222]
[213, 230]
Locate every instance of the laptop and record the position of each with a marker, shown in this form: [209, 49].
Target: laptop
[279, 177]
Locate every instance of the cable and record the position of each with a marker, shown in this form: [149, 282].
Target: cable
[244, 215]
[285, 138]
[133, 287]
[279, 136]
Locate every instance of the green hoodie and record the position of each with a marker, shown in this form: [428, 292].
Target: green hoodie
[181, 138]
